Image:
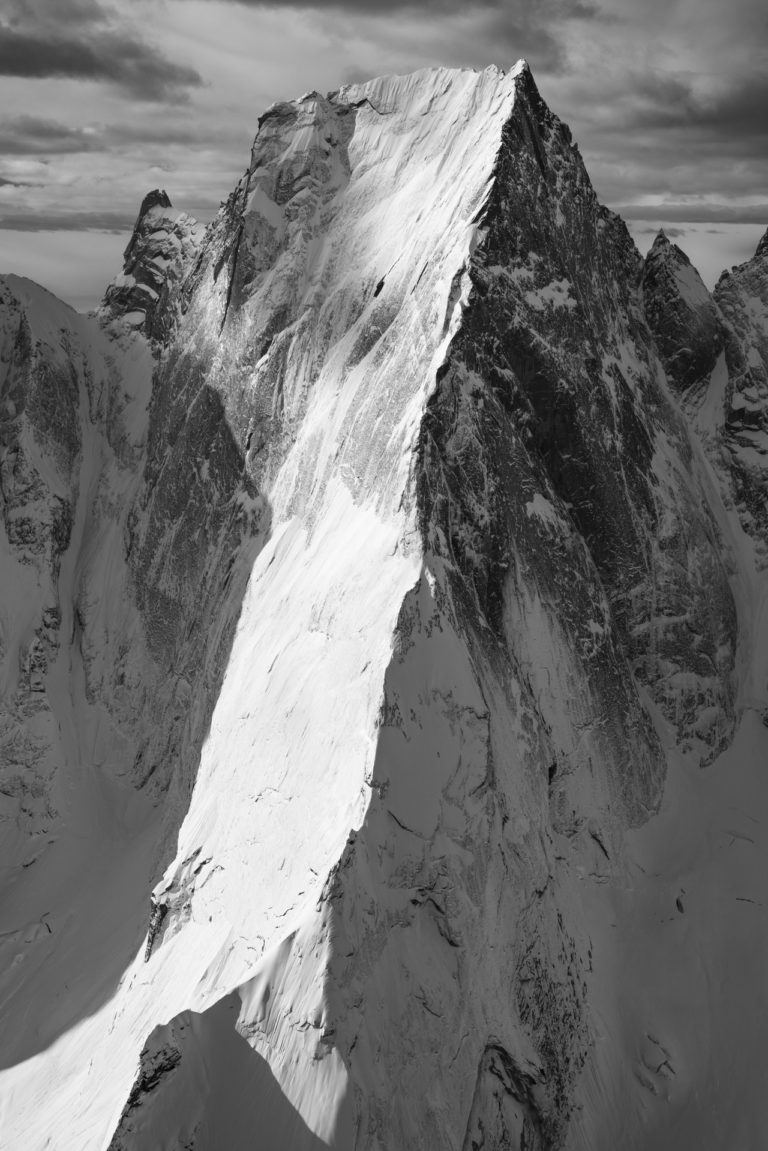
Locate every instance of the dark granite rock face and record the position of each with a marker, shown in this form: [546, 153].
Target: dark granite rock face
[566, 462]
[684, 319]
[742, 296]
[715, 353]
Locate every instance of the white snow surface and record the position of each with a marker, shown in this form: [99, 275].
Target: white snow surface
[691, 286]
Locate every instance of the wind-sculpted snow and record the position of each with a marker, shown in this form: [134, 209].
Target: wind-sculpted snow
[390, 582]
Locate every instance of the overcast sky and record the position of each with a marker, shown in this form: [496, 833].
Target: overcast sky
[102, 100]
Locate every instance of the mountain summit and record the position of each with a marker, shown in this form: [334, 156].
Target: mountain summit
[383, 654]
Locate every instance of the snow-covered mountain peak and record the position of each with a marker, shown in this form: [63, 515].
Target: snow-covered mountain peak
[681, 313]
[156, 199]
[361, 601]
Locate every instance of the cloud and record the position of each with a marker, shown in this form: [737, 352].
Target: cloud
[525, 11]
[697, 213]
[368, 7]
[37, 136]
[64, 12]
[444, 32]
[32, 136]
[83, 40]
[653, 230]
[67, 221]
[109, 56]
[164, 132]
[679, 103]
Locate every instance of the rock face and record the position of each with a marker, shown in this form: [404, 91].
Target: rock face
[682, 314]
[742, 295]
[379, 580]
[715, 351]
[158, 258]
[69, 461]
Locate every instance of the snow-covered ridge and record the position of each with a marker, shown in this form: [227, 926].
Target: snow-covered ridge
[384, 607]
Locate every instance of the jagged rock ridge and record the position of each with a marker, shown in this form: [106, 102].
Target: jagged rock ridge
[398, 585]
[720, 367]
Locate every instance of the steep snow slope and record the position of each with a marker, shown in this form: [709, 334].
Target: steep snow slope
[391, 587]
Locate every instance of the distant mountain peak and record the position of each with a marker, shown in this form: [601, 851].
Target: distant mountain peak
[762, 248]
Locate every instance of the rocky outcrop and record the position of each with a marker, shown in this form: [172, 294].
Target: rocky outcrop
[160, 254]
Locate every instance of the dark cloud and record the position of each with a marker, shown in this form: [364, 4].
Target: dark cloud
[63, 13]
[523, 13]
[665, 103]
[678, 136]
[513, 38]
[32, 136]
[467, 35]
[165, 132]
[67, 221]
[84, 40]
[372, 7]
[701, 213]
[652, 230]
[109, 56]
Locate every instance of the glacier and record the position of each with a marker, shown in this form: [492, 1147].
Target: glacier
[384, 641]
